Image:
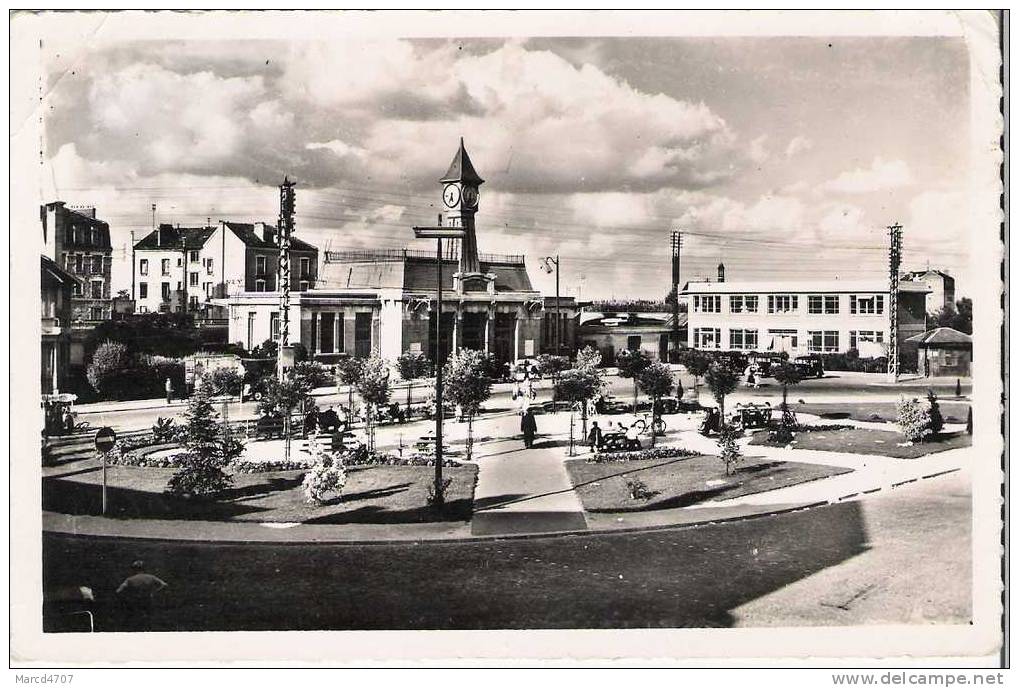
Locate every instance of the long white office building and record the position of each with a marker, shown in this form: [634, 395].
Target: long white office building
[801, 317]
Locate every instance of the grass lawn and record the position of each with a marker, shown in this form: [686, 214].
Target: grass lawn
[878, 411]
[678, 482]
[373, 494]
[864, 441]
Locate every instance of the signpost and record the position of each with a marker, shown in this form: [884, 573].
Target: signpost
[105, 439]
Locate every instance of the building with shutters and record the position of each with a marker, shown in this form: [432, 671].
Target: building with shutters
[383, 300]
[79, 243]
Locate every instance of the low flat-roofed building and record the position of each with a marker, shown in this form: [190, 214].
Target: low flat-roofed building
[611, 333]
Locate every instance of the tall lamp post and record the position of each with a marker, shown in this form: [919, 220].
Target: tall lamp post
[438, 233]
[552, 263]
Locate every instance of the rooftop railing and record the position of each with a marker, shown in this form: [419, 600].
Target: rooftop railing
[388, 255]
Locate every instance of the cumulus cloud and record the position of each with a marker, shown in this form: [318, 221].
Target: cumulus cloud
[758, 152]
[880, 176]
[797, 145]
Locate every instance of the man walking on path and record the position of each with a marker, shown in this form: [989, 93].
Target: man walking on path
[594, 438]
[169, 390]
[136, 594]
[528, 426]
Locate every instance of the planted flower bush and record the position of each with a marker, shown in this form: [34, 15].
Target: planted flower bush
[641, 454]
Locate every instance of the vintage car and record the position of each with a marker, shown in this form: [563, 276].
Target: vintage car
[750, 416]
[809, 366]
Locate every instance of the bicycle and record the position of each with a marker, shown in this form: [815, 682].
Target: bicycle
[646, 421]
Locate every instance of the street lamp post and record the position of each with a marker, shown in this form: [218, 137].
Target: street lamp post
[552, 263]
[438, 233]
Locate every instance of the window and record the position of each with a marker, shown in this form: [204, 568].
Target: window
[92, 236]
[785, 340]
[707, 338]
[143, 290]
[97, 265]
[207, 288]
[831, 304]
[76, 289]
[165, 266]
[633, 342]
[743, 339]
[208, 266]
[259, 266]
[818, 304]
[707, 304]
[97, 291]
[743, 304]
[180, 262]
[78, 267]
[823, 341]
[782, 303]
[867, 305]
[192, 279]
[856, 338]
[194, 256]
[274, 325]
[304, 285]
[165, 292]
[305, 267]
[143, 309]
[143, 266]
[260, 285]
[96, 313]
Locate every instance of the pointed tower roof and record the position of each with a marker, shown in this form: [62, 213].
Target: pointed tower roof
[461, 169]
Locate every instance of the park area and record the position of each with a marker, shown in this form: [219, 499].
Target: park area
[855, 440]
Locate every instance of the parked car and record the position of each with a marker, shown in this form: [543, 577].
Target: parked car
[810, 366]
[749, 416]
[764, 362]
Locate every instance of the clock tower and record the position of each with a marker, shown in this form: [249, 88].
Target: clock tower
[460, 193]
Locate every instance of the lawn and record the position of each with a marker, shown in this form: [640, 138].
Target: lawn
[679, 482]
[953, 412]
[373, 494]
[866, 441]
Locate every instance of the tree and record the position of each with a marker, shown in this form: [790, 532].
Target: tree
[913, 419]
[722, 381]
[786, 374]
[589, 357]
[109, 358]
[937, 421]
[467, 386]
[373, 387]
[630, 363]
[348, 370]
[327, 473]
[578, 386]
[313, 373]
[208, 451]
[696, 363]
[282, 398]
[656, 381]
[728, 449]
[412, 366]
[958, 317]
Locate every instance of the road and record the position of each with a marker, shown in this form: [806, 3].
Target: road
[879, 560]
[833, 386]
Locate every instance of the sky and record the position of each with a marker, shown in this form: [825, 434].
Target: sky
[783, 158]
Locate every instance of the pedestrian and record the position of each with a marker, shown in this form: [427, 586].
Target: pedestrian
[528, 426]
[342, 419]
[68, 420]
[632, 437]
[245, 391]
[527, 369]
[136, 595]
[169, 390]
[594, 438]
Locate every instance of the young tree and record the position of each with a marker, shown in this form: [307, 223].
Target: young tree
[656, 381]
[348, 370]
[722, 381]
[728, 449]
[786, 374]
[327, 473]
[467, 386]
[373, 388]
[412, 366]
[630, 364]
[109, 358]
[589, 357]
[696, 363]
[913, 419]
[281, 399]
[578, 386]
[208, 452]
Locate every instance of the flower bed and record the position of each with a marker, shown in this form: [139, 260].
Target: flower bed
[642, 454]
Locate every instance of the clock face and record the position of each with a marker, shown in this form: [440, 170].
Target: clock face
[451, 195]
[470, 196]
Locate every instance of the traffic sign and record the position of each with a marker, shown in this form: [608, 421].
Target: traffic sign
[105, 439]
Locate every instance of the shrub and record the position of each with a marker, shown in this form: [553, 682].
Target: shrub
[440, 498]
[314, 374]
[638, 489]
[109, 358]
[728, 449]
[550, 365]
[937, 422]
[327, 474]
[208, 450]
[913, 419]
[221, 381]
[413, 365]
[269, 466]
[164, 430]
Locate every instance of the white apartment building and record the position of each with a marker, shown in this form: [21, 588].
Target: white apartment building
[800, 317]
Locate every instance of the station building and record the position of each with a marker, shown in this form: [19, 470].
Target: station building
[384, 300]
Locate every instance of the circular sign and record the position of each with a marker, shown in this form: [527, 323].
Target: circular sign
[470, 196]
[105, 439]
[451, 195]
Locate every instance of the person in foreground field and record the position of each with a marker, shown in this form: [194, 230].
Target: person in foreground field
[528, 426]
[137, 594]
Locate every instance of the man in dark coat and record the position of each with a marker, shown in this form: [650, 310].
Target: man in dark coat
[529, 427]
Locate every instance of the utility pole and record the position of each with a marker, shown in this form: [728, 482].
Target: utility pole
[286, 227]
[132, 265]
[894, 261]
[677, 245]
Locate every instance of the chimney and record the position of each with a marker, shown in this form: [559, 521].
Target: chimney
[165, 237]
[265, 232]
[721, 272]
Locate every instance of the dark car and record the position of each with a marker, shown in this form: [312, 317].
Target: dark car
[809, 366]
[765, 362]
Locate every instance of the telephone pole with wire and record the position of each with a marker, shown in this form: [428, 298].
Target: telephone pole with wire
[677, 245]
[894, 262]
[286, 228]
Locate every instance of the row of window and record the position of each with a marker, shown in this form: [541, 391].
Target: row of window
[77, 234]
[93, 290]
[261, 264]
[819, 341]
[817, 304]
[84, 263]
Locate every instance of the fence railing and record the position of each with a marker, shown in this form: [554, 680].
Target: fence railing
[384, 255]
